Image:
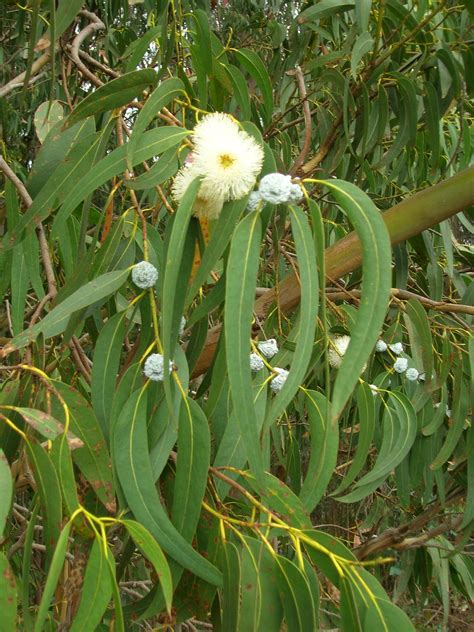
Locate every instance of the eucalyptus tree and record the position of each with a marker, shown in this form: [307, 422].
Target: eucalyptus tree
[236, 281]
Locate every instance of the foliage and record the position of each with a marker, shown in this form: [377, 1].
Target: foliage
[344, 499]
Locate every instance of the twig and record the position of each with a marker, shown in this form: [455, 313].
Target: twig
[18, 81]
[297, 72]
[440, 306]
[43, 242]
[95, 25]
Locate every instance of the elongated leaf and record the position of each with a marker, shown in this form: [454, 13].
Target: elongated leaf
[255, 67]
[459, 413]
[194, 452]
[174, 267]
[134, 472]
[107, 353]
[366, 417]
[295, 596]
[52, 578]
[279, 497]
[57, 319]
[46, 425]
[376, 283]
[113, 95]
[421, 341]
[96, 591]
[8, 596]
[251, 591]
[217, 244]
[93, 458]
[151, 143]
[324, 446]
[304, 336]
[231, 571]
[399, 432]
[50, 495]
[271, 611]
[151, 550]
[6, 490]
[324, 8]
[240, 292]
[160, 97]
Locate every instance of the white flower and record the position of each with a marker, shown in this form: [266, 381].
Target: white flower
[400, 365]
[396, 348]
[228, 160]
[253, 201]
[337, 349]
[279, 380]
[182, 325]
[449, 412]
[256, 362]
[154, 368]
[374, 389]
[144, 275]
[275, 188]
[412, 374]
[296, 193]
[380, 346]
[268, 348]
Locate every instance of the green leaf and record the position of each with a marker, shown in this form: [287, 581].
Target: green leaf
[163, 169]
[241, 276]
[323, 8]
[256, 68]
[93, 458]
[57, 319]
[376, 283]
[151, 550]
[52, 578]
[220, 236]
[176, 269]
[241, 91]
[295, 596]
[96, 591]
[6, 491]
[135, 474]
[362, 46]
[194, 453]
[19, 288]
[279, 497]
[8, 596]
[366, 419]
[459, 413]
[113, 95]
[47, 115]
[107, 353]
[251, 591]
[231, 572]
[50, 496]
[271, 611]
[45, 424]
[151, 143]
[421, 342]
[159, 98]
[308, 313]
[387, 616]
[203, 39]
[324, 447]
[399, 433]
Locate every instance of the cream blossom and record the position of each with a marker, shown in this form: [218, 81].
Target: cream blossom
[226, 158]
[337, 349]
